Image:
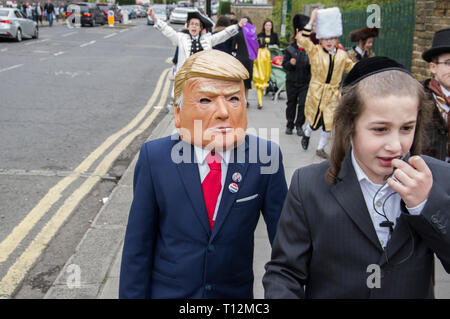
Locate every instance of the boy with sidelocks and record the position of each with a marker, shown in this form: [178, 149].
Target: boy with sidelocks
[376, 204]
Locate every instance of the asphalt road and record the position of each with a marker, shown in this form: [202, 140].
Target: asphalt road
[75, 106]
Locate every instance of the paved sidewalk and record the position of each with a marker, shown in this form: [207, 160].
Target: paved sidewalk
[99, 253]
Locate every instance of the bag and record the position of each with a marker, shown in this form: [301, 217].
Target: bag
[251, 40]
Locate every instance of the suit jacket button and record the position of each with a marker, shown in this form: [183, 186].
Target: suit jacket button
[208, 287]
[434, 219]
[211, 248]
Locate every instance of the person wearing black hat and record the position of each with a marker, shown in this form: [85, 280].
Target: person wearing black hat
[438, 89]
[298, 74]
[366, 224]
[364, 39]
[195, 40]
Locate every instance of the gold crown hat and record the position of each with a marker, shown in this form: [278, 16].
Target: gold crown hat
[213, 64]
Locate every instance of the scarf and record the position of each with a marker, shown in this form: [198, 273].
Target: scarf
[436, 89]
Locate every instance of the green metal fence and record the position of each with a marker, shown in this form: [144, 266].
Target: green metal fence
[395, 39]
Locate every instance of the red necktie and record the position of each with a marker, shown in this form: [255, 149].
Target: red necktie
[212, 185]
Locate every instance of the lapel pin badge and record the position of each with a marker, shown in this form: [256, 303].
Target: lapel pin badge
[237, 177]
[233, 187]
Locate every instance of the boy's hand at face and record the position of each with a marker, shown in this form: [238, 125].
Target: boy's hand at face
[414, 180]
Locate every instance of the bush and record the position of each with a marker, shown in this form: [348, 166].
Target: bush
[224, 8]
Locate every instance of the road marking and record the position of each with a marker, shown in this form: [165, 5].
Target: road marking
[121, 31]
[11, 68]
[86, 44]
[110, 35]
[4, 50]
[59, 53]
[36, 42]
[67, 34]
[12, 241]
[17, 272]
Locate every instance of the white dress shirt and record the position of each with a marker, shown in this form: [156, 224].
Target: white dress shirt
[203, 168]
[391, 205]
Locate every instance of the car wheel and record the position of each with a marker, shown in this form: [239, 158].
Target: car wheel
[19, 35]
[36, 34]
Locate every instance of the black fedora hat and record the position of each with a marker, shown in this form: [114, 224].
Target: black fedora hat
[206, 22]
[370, 66]
[441, 44]
[299, 21]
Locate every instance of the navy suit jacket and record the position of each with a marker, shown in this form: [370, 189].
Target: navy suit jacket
[169, 249]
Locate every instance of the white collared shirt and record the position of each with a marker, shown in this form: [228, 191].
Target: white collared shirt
[203, 168]
[391, 205]
[359, 50]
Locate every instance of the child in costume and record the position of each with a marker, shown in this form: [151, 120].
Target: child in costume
[328, 64]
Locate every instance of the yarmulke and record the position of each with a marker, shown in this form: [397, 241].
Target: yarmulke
[370, 66]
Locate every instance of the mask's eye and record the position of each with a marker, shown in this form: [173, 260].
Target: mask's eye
[205, 100]
[234, 99]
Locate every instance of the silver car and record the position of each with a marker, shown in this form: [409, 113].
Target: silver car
[179, 15]
[15, 25]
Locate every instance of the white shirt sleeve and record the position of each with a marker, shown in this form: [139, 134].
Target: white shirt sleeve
[418, 209]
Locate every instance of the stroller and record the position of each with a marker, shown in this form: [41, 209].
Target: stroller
[277, 81]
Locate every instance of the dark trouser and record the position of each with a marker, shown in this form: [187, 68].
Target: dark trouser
[296, 96]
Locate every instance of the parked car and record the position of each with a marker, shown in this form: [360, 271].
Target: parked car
[131, 12]
[160, 13]
[179, 15]
[15, 25]
[105, 7]
[89, 13]
[140, 11]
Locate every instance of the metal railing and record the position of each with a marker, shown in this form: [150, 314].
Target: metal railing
[395, 39]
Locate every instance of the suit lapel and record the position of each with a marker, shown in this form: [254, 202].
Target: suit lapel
[347, 192]
[190, 177]
[236, 165]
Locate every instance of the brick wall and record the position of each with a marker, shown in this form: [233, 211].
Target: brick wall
[431, 16]
[257, 13]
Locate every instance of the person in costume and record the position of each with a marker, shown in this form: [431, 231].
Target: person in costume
[369, 222]
[262, 65]
[241, 52]
[298, 75]
[328, 64]
[198, 195]
[364, 38]
[438, 89]
[194, 41]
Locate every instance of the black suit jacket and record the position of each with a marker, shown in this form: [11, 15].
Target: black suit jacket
[326, 240]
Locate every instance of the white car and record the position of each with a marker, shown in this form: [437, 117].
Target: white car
[15, 25]
[179, 15]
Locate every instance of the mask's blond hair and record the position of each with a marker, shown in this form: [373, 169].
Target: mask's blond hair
[213, 64]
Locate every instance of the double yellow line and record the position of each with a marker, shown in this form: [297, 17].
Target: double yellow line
[19, 269]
